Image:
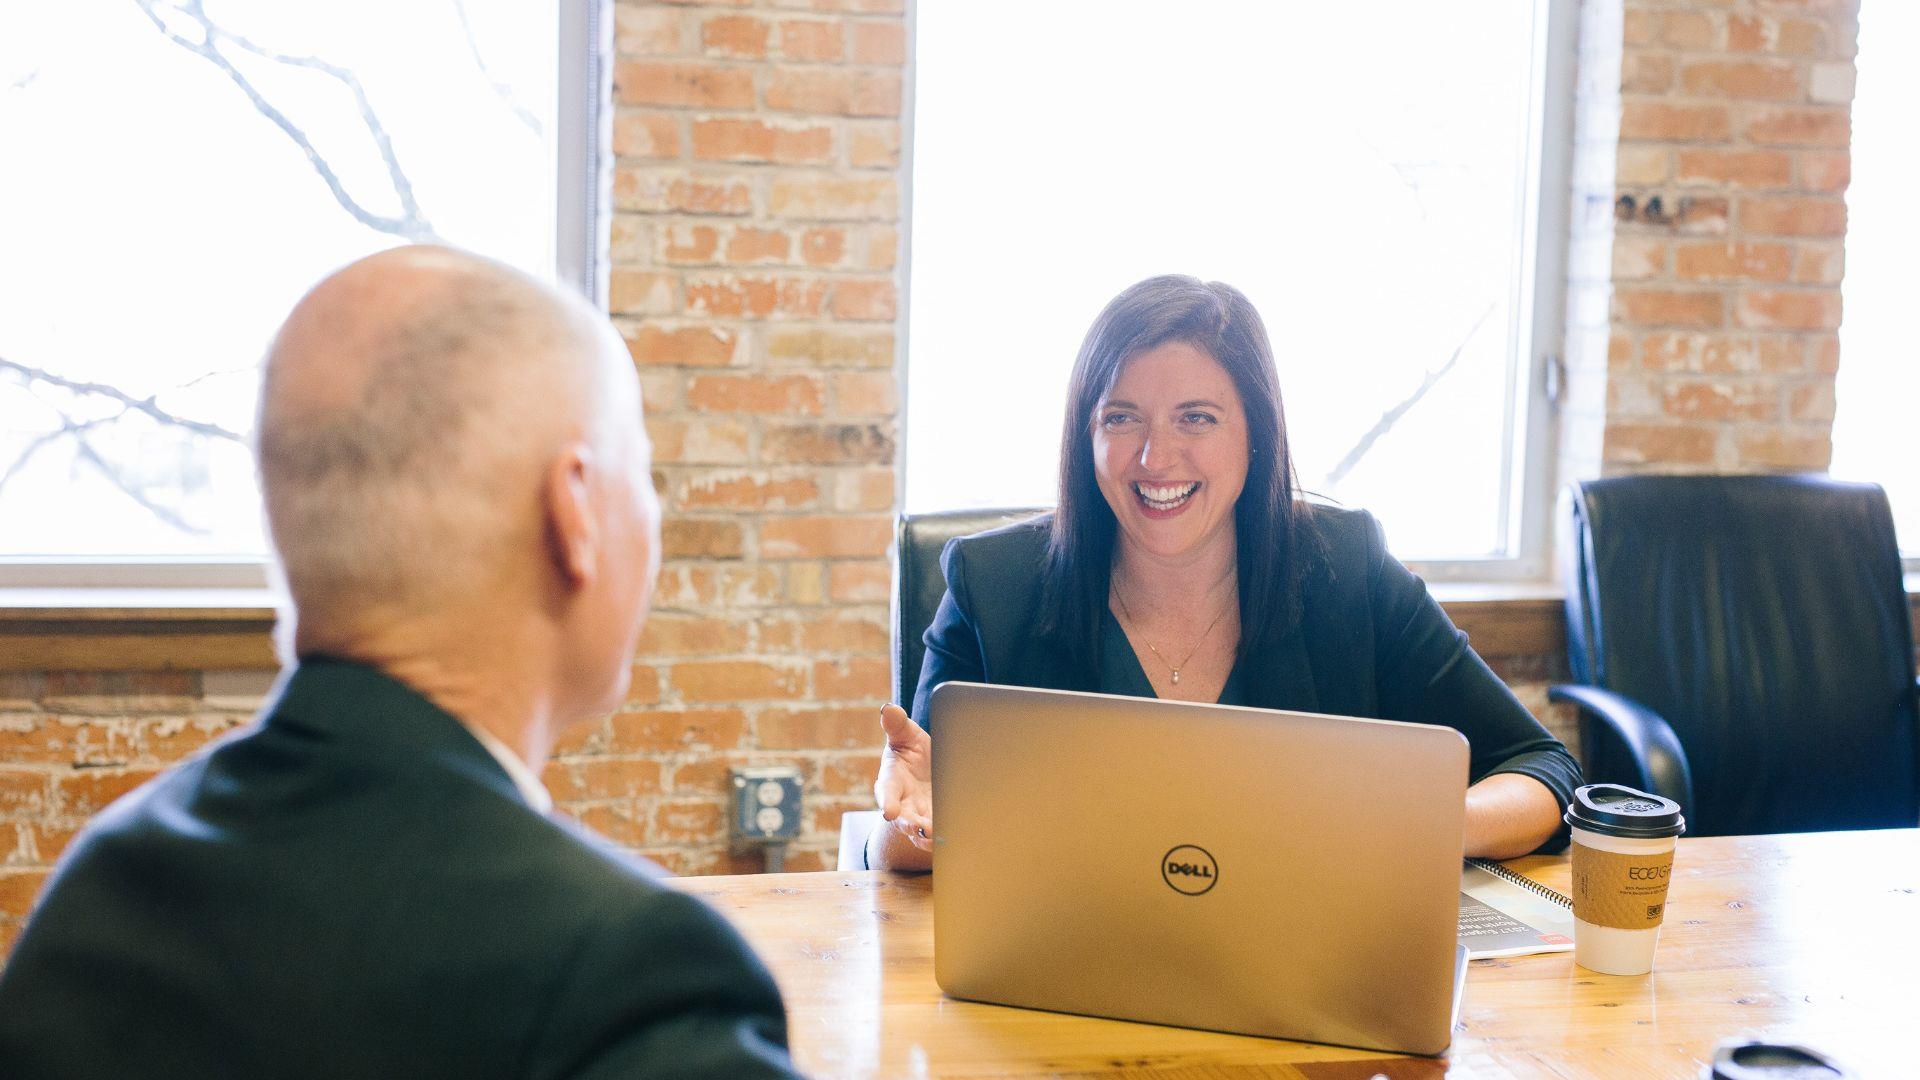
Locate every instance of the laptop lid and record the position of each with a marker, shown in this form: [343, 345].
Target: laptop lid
[1291, 875]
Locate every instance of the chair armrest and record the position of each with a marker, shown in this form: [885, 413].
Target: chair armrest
[1647, 738]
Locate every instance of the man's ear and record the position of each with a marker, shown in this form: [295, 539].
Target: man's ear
[573, 532]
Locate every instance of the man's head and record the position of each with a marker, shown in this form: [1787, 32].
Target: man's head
[449, 448]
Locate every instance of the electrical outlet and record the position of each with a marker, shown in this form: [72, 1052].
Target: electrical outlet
[766, 804]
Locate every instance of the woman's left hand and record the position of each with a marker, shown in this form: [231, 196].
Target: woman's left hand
[904, 788]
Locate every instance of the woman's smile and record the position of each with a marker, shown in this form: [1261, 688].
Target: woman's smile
[1161, 501]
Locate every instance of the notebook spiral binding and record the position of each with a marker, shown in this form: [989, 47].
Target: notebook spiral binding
[1526, 883]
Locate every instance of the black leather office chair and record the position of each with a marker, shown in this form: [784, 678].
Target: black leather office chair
[918, 584]
[1746, 649]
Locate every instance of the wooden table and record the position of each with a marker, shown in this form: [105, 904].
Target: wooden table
[1811, 938]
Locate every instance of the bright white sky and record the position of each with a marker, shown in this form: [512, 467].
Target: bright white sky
[157, 227]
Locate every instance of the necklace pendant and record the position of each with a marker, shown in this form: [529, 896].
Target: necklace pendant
[1176, 676]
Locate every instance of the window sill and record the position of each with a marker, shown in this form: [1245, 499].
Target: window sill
[125, 629]
[122, 603]
[1528, 618]
[1506, 618]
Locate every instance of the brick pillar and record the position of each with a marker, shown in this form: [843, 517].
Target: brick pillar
[1727, 231]
[755, 276]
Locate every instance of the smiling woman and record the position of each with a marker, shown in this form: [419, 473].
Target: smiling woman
[1182, 564]
[1172, 400]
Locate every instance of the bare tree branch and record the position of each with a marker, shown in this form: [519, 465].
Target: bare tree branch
[1392, 416]
[198, 379]
[107, 470]
[147, 405]
[411, 224]
[402, 187]
[501, 88]
[31, 378]
[68, 426]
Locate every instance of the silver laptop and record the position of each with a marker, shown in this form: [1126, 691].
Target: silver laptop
[1268, 873]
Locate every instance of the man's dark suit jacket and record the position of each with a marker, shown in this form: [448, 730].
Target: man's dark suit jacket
[355, 888]
[1370, 641]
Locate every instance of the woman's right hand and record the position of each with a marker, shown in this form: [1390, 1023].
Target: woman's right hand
[904, 788]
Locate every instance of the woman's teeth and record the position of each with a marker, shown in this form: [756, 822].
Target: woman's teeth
[1165, 497]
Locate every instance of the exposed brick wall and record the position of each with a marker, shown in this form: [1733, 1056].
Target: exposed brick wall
[1721, 279]
[756, 277]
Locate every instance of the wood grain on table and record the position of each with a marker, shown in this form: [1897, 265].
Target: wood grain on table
[1811, 938]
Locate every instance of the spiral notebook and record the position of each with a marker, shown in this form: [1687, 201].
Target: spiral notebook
[1505, 914]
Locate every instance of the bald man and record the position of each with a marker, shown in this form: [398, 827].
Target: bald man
[367, 882]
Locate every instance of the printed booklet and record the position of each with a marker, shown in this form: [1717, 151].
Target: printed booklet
[1505, 914]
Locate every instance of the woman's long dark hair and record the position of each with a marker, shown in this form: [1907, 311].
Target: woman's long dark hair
[1219, 321]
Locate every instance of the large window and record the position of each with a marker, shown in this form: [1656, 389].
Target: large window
[1383, 207]
[1879, 378]
[178, 173]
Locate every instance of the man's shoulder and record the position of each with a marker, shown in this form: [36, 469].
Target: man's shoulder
[642, 948]
[624, 902]
[379, 883]
[475, 862]
[590, 862]
[546, 866]
[429, 812]
[617, 893]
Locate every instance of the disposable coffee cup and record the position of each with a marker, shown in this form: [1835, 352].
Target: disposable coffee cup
[1622, 861]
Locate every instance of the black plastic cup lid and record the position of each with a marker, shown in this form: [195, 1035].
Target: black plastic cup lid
[1617, 810]
[1744, 1060]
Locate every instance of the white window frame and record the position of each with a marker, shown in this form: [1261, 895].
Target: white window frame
[582, 204]
[1530, 465]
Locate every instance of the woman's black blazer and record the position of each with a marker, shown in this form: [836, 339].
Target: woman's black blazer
[1370, 641]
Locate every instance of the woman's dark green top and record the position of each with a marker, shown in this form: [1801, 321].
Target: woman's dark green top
[1370, 641]
[1121, 673]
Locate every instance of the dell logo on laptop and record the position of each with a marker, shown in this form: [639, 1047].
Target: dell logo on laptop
[1189, 869]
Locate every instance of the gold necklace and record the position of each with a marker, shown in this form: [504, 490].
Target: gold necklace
[1175, 668]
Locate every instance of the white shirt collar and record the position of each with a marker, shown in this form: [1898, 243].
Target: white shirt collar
[531, 789]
